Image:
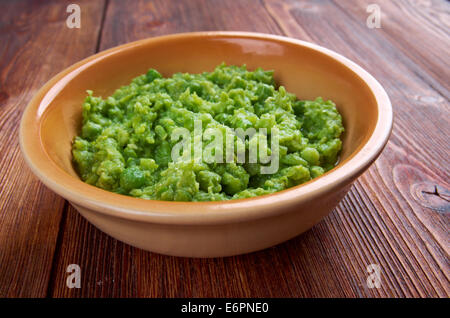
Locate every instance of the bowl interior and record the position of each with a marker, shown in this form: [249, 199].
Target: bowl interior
[301, 69]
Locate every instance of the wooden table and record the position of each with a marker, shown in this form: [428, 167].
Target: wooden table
[396, 214]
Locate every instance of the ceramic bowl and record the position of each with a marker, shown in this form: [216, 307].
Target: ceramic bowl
[207, 229]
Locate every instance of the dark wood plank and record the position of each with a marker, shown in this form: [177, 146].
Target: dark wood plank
[402, 228]
[393, 216]
[416, 183]
[419, 29]
[140, 19]
[35, 45]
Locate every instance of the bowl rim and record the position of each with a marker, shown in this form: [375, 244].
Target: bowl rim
[194, 213]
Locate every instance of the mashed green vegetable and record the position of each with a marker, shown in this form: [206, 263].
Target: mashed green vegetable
[125, 143]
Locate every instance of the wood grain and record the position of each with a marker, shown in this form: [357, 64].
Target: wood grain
[396, 215]
[399, 229]
[426, 23]
[139, 19]
[35, 45]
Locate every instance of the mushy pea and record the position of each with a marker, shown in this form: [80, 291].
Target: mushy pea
[125, 143]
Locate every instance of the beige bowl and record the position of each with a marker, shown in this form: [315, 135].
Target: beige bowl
[207, 229]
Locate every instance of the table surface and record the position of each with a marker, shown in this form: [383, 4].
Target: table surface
[396, 214]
